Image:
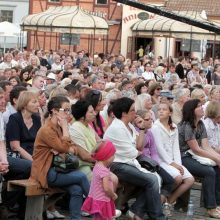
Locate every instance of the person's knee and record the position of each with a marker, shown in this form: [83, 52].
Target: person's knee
[178, 180]
[75, 190]
[190, 180]
[82, 177]
[152, 182]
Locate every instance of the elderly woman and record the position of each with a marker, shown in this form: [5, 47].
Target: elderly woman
[199, 94]
[83, 135]
[34, 61]
[214, 95]
[52, 138]
[8, 62]
[124, 136]
[181, 96]
[143, 102]
[211, 122]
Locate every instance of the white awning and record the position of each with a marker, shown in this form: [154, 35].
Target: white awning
[65, 19]
[167, 27]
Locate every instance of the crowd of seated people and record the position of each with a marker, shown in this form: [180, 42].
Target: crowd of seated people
[69, 103]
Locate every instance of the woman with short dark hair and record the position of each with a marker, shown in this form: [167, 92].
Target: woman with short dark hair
[126, 140]
[83, 135]
[193, 136]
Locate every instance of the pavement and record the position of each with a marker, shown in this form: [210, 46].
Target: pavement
[199, 212]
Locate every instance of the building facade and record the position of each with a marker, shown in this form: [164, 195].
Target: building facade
[121, 18]
[13, 11]
[109, 10]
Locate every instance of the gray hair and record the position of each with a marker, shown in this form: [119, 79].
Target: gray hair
[140, 99]
[178, 93]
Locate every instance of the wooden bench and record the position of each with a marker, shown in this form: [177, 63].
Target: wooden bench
[35, 204]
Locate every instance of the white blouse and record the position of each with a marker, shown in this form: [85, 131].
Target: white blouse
[213, 132]
[167, 143]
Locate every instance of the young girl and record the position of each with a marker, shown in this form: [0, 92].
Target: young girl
[100, 202]
[165, 134]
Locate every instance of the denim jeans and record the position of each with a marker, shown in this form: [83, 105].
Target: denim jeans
[18, 169]
[148, 201]
[210, 183]
[75, 183]
[167, 182]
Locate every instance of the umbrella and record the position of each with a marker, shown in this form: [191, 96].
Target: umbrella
[8, 29]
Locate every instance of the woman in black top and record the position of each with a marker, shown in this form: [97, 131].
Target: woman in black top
[23, 126]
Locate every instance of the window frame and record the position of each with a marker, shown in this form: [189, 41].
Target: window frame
[11, 17]
[101, 3]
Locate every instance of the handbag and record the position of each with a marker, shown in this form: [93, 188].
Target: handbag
[202, 160]
[148, 163]
[65, 163]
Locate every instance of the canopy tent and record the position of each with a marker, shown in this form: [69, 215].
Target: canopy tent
[167, 27]
[65, 19]
[8, 29]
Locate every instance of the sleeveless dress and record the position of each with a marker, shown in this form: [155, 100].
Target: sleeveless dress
[97, 201]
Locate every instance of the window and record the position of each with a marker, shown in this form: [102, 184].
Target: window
[101, 2]
[55, 1]
[69, 39]
[6, 15]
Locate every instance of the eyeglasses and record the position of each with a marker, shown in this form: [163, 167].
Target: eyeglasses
[66, 110]
[158, 88]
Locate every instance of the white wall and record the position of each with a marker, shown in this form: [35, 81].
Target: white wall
[20, 9]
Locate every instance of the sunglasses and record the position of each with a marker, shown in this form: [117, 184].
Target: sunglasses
[158, 89]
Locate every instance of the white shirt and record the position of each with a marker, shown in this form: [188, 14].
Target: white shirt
[4, 65]
[167, 143]
[2, 128]
[9, 111]
[124, 141]
[213, 132]
[148, 75]
[54, 66]
[125, 144]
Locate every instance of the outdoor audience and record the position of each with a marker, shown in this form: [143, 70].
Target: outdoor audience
[67, 103]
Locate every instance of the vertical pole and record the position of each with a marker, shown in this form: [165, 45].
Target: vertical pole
[213, 48]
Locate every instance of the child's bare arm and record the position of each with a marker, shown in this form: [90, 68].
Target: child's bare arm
[107, 186]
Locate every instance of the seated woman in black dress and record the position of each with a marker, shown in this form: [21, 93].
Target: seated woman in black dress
[21, 131]
[23, 126]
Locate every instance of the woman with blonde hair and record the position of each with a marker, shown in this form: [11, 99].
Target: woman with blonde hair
[211, 121]
[34, 61]
[23, 126]
[21, 131]
[8, 61]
